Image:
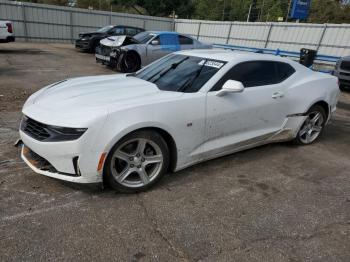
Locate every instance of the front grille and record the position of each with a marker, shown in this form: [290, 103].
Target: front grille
[34, 129]
[344, 74]
[345, 65]
[105, 50]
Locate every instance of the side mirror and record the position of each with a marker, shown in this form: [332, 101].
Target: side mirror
[230, 86]
[155, 42]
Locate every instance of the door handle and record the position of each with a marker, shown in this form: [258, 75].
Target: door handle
[277, 95]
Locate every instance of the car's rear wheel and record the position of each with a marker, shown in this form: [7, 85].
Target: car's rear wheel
[312, 126]
[130, 63]
[137, 162]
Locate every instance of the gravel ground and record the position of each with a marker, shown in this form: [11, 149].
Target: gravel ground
[273, 203]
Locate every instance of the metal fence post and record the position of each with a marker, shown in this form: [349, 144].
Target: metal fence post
[24, 22]
[110, 16]
[229, 34]
[199, 29]
[71, 26]
[321, 37]
[268, 35]
[144, 24]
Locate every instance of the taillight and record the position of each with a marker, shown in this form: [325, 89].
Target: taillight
[9, 28]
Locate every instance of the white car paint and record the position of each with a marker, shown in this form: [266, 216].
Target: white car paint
[202, 124]
[5, 35]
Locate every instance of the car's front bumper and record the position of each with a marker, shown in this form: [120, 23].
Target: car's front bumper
[82, 44]
[69, 160]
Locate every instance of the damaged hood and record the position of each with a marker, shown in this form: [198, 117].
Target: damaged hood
[113, 41]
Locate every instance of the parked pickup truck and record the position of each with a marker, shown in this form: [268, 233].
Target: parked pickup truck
[6, 32]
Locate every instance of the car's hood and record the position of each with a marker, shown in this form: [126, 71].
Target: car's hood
[113, 41]
[89, 97]
[94, 91]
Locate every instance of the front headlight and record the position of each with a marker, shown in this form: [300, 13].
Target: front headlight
[58, 133]
[49, 133]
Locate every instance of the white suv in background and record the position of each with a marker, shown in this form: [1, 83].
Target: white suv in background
[6, 32]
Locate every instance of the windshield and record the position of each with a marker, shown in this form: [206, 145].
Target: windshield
[180, 73]
[143, 37]
[105, 29]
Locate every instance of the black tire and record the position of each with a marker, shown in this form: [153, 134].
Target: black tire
[152, 136]
[130, 63]
[299, 140]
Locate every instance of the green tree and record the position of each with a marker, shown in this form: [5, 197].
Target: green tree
[329, 11]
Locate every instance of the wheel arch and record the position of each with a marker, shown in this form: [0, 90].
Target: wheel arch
[324, 105]
[136, 53]
[170, 141]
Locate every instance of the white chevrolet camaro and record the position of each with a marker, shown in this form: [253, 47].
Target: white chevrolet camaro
[130, 129]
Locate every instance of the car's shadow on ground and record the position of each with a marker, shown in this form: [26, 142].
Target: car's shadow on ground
[22, 51]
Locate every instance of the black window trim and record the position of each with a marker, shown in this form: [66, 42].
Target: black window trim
[276, 72]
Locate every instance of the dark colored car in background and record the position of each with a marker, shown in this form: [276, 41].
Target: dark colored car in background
[342, 71]
[89, 41]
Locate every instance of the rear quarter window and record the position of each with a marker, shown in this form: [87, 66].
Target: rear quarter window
[284, 71]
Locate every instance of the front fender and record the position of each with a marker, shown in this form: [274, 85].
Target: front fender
[114, 135]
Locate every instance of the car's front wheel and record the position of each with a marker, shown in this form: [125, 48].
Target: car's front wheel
[130, 63]
[312, 126]
[137, 162]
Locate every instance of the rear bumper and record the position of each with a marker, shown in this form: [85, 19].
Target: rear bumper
[8, 39]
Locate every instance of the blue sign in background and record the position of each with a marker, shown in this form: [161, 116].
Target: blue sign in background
[300, 9]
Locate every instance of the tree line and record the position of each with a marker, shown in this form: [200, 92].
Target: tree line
[322, 11]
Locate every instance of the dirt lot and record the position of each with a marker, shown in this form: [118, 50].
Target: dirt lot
[274, 203]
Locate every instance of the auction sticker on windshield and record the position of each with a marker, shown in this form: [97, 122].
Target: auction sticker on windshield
[211, 63]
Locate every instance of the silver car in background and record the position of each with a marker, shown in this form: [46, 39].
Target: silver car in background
[129, 54]
[342, 71]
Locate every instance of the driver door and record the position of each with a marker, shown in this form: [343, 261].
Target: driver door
[235, 120]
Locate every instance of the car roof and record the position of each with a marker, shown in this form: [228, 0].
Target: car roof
[230, 55]
[170, 33]
[127, 26]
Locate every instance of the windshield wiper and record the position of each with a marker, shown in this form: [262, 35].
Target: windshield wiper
[189, 82]
[172, 66]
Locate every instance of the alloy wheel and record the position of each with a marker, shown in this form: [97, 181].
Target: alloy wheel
[136, 162]
[311, 128]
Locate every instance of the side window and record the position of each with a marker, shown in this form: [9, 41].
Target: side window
[131, 31]
[284, 71]
[117, 31]
[185, 40]
[257, 73]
